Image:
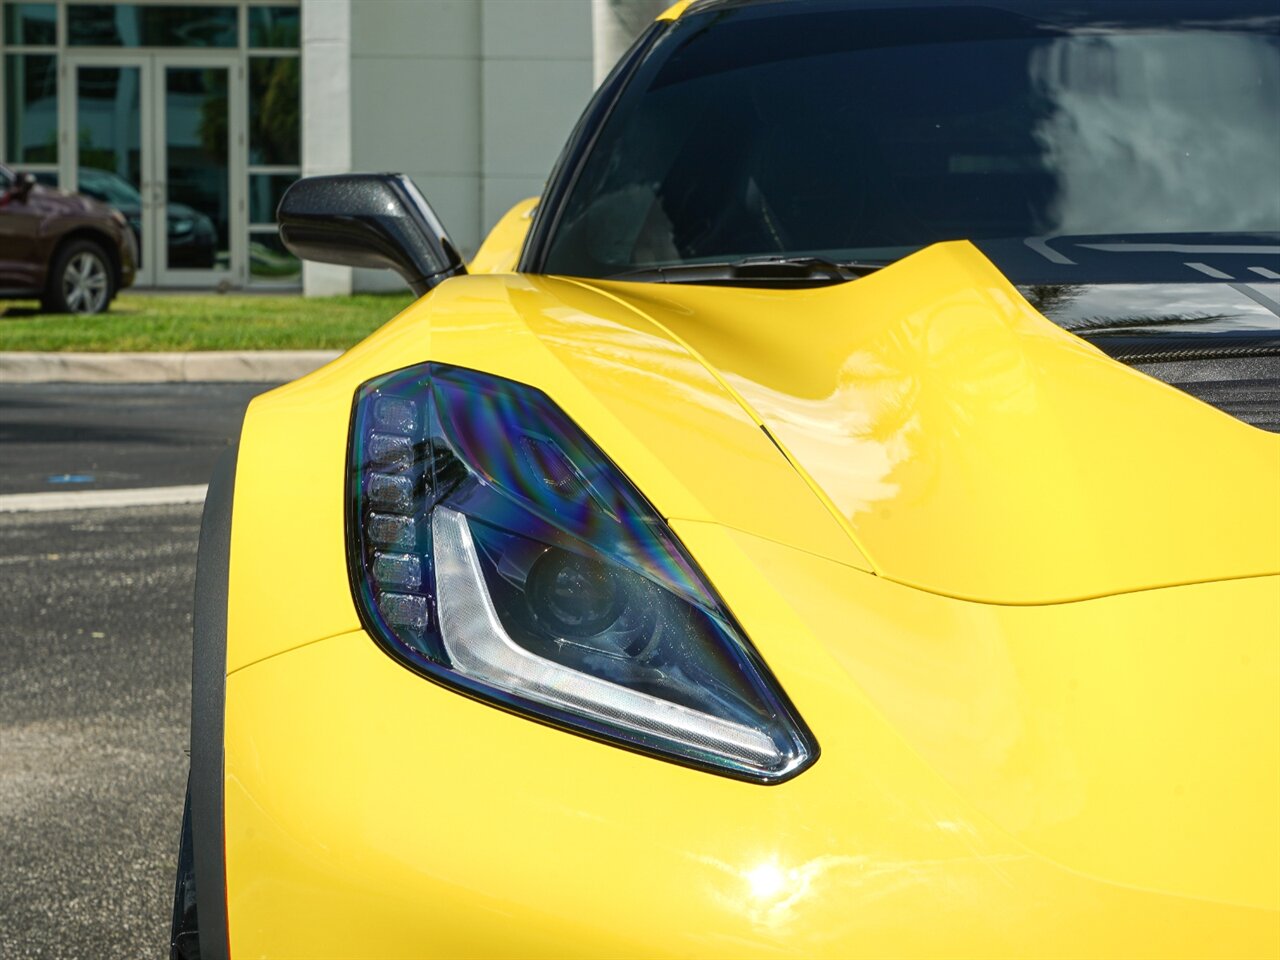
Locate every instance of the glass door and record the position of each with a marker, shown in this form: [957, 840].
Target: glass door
[160, 138]
[197, 122]
[110, 110]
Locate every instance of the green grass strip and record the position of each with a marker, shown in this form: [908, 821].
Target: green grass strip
[183, 322]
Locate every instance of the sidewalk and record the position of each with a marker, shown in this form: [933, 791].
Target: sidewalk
[248, 366]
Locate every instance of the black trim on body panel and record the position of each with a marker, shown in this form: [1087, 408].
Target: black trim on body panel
[208, 705]
[184, 929]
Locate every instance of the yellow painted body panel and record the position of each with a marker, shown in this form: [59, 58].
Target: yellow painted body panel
[995, 782]
[1074, 778]
[658, 412]
[501, 248]
[976, 449]
[674, 11]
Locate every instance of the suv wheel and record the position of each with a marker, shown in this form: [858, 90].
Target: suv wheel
[80, 281]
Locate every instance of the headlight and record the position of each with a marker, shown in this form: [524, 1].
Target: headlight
[181, 226]
[496, 549]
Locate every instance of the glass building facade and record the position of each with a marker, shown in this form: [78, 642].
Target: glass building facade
[186, 118]
[192, 118]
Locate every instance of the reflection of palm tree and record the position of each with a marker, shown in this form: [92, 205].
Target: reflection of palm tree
[280, 34]
[1047, 297]
[89, 155]
[1138, 323]
[213, 114]
[276, 120]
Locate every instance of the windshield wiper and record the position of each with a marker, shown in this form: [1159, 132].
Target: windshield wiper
[755, 268]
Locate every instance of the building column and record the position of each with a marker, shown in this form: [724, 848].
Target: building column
[326, 117]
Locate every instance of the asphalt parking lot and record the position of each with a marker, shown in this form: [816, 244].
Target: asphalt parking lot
[95, 436]
[95, 660]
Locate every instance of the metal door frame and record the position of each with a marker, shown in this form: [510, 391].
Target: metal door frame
[69, 146]
[237, 223]
[152, 67]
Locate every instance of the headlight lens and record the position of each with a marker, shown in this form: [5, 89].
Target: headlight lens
[496, 549]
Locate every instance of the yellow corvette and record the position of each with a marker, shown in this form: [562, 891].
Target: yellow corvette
[781, 542]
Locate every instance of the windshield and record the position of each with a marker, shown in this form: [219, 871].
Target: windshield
[1117, 145]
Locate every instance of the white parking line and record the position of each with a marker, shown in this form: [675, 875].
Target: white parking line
[95, 499]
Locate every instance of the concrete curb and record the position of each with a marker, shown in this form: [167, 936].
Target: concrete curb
[213, 366]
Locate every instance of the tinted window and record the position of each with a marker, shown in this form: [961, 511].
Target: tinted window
[274, 26]
[274, 126]
[30, 24]
[860, 132]
[31, 107]
[265, 191]
[138, 25]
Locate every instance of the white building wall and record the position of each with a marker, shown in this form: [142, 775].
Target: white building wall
[326, 116]
[471, 98]
[415, 102]
[537, 77]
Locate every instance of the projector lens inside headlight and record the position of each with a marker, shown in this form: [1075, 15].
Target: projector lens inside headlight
[496, 549]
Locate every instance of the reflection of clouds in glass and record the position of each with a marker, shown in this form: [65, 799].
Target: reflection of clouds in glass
[1153, 134]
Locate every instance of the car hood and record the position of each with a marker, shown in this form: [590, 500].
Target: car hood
[927, 425]
[55, 201]
[924, 423]
[970, 447]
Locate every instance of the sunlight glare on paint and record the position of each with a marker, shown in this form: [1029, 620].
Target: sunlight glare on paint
[766, 881]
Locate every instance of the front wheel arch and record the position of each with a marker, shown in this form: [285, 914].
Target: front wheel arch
[54, 299]
[205, 814]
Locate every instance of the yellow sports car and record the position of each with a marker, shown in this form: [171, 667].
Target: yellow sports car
[841, 518]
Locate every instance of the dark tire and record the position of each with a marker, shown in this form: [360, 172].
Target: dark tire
[81, 279]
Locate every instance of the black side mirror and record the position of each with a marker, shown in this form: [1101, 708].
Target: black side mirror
[377, 220]
[22, 185]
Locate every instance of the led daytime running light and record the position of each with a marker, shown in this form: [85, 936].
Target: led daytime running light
[479, 646]
[495, 549]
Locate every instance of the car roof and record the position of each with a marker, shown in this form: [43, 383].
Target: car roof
[1218, 10]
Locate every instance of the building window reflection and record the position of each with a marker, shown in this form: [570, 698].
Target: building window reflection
[199, 145]
[31, 24]
[273, 111]
[139, 25]
[31, 108]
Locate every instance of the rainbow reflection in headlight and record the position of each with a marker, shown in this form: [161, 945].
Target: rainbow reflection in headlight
[496, 549]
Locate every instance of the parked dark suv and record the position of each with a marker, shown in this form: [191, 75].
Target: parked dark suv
[71, 252]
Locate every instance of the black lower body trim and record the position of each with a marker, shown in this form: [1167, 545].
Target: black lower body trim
[184, 932]
[208, 703]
